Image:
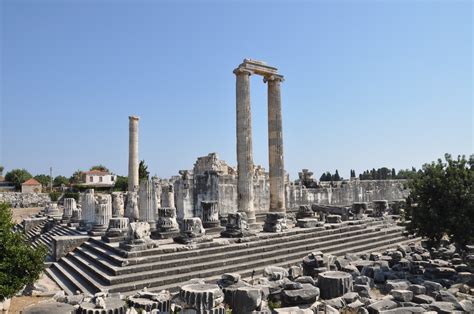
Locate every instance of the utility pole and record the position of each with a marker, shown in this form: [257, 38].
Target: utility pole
[51, 179]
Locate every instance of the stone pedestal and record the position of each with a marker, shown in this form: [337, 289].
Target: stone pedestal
[358, 209]
[52, 210]
[117, 231]
[138, 238]
[210, 216]
[202, 297]
[75, 217]
[193, 232]
[305, 211]
[380, 207]
[103, 213]
[309, 223]
[275, 222]
[237, 226]
[333, 284]
[167, 224]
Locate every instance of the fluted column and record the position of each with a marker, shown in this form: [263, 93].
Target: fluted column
[275, 145]
[245, 169]
[69, 206]
[146, 201]
[133, 153]
[88, 207]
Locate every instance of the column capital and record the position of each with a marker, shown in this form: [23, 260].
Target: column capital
[134, 118]
[275, 77]
[240, 71]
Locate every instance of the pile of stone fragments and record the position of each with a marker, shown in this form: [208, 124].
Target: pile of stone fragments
[408, 279]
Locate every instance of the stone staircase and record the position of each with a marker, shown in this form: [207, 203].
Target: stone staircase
[37, 238]
[98, 266]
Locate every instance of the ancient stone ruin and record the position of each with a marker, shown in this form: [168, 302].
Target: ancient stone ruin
[216, 238]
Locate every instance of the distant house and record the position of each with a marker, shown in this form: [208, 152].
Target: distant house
[31, 186]
[98, 178]
[6, 186]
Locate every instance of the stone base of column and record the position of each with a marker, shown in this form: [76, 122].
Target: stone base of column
[159, 235]
[309, 223]
[275, 222]
[117, 231]
[237, 226]
[98, 230]
[137, 246]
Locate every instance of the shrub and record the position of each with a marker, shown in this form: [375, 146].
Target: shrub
[20, 264]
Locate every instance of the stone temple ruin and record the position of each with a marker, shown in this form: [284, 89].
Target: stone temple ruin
[216, 237]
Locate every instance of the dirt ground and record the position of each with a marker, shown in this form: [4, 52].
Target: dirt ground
[19, 303]
[20, 213]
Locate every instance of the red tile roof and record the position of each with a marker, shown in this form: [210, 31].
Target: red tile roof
[96, 172]
[31, 181]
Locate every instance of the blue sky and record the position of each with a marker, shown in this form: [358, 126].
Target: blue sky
[368, 83]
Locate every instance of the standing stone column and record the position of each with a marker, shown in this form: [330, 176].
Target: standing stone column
[245, 168]
[275, 145]
[133, 153]
[146, 199]
[69, 206]
[103, 213]
[167, 196]
[88, 208]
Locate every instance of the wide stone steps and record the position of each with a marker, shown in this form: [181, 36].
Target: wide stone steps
[247, 273]
[97, 266]
[228, 265]
[208, 258]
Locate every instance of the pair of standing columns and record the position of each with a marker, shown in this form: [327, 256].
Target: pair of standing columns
[244, 145]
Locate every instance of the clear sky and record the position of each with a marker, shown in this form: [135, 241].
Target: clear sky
[368, 83]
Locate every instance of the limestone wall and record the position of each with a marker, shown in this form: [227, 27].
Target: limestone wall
[22, 200]
[190, 191]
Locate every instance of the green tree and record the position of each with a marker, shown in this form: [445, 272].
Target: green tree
[20, 264]
[76, 177]
[43, 179]
[394, 173]
[60, 180]
[336, 176]
[441, 201]
[143, 173]
[121, 183]
[1, 170]
[17, 177]
[99, 168]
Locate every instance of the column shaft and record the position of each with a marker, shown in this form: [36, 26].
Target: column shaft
[245, 169]
[133, 153]
[275, 146]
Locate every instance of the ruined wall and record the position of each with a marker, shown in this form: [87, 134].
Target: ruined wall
[17, 199]
[223, 188]
[347, 193]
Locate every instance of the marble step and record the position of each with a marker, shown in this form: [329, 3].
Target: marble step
[159, 278]
[241, 268]
[232, 251]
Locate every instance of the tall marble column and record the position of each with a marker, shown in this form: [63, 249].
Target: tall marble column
[275, 145]
[245, 168]
[133, 153]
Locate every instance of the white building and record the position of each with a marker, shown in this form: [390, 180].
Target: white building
[98, 178]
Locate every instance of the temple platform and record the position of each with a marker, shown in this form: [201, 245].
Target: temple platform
[97, 266]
